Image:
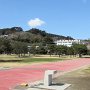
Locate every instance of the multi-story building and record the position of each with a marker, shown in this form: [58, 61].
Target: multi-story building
[67, 43]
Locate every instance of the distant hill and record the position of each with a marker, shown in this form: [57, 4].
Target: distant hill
[43, 33]
[6, 31]
[32, 36]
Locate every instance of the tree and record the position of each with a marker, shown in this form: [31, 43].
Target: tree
[47, 40]
[70, 51]
[60, 49]
[19, 48]
[5, 46]
[81, 49]
[41, 50]
[33, 50]
[51, 48]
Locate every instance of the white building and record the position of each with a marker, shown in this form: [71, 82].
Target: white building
[67, 43]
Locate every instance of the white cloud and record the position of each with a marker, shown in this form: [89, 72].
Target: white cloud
[35, 22]
[84, 1]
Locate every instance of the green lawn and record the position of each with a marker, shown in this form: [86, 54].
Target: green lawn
[15, 61]
[44, 58]
[30, 60]
[87, 70]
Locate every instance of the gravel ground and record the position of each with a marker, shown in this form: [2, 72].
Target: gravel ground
[79, 79]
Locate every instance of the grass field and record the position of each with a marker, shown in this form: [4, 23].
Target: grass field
[79, 79]
[15, 61]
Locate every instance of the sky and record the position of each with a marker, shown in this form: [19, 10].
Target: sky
[62, 17]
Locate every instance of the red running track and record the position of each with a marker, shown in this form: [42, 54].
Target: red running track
[13, 77]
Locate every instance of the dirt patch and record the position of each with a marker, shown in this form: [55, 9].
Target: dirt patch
[5, 68]
[12, 65]
[79, 79]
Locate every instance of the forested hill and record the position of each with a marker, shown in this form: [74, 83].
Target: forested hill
[7, 31]
[32, 36]
[43, 33]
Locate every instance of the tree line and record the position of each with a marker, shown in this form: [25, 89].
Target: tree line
[8, 46]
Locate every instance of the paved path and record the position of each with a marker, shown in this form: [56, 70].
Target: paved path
[13, 77]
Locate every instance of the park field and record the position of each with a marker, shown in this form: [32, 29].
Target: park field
[15, 61]
[79, 79]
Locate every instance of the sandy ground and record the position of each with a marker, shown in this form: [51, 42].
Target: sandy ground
[12, 65]
[79, 79]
